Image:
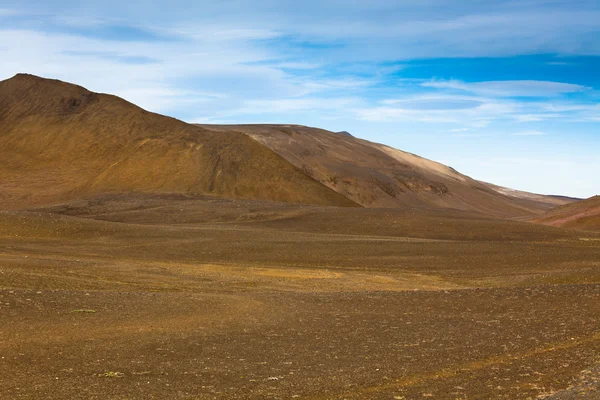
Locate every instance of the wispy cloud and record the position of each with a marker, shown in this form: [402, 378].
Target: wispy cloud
[530, 133]
[120, 33]
[295, 105]
[7, 12]
[561, 63]
[435, 102]
[126, 68]
[521, 88]
[457, 130]
[121, 57]
[477, 111]
[529, 161]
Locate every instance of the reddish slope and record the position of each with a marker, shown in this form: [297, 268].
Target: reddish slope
[584, 214]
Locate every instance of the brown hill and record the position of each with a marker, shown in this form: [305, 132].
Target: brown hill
[375, 175]
[541, 198]
[59, 141]
[583, 214]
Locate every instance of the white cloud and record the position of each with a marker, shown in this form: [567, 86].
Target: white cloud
[295, 105]
[7, 12]
[530, 133]
[559, 63]
[475, 110]
[296, 65]
[435, 102]
[529, 118]
[530, 161]
[395, 114]
[226, 66]
[469, 111]
[519, 88]
[224, 73]
[313, 84]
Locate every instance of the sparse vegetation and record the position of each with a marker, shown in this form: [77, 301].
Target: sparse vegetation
[112, 374]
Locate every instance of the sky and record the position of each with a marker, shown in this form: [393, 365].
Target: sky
[503, 91]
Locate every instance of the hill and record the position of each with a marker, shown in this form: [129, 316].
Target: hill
[62, 142]
[59, 141]
[584, 214]
[376, 175]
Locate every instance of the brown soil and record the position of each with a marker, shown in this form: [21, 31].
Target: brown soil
[206, 298]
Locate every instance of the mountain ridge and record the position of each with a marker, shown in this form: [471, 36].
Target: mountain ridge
[376, 175]
[63, 142]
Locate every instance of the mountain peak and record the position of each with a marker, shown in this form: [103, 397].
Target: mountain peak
[25, 77]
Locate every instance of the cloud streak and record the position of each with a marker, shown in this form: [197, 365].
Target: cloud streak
[521, 88]
[530, 133]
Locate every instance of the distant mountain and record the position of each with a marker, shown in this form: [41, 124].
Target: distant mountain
[550, 200]
[59, 141]
[583, 214]
[376, 175]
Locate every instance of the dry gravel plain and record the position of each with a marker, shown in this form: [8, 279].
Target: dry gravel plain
[173, 297]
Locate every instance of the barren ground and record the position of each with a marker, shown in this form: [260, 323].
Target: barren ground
[169, 297]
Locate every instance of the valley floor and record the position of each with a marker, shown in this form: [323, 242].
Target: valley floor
[169, 297]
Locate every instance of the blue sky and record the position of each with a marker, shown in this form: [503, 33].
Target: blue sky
[504, 91]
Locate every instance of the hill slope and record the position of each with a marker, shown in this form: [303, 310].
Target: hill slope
[584, 214]
[375, 175]
[549, 200]
[59, 141]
